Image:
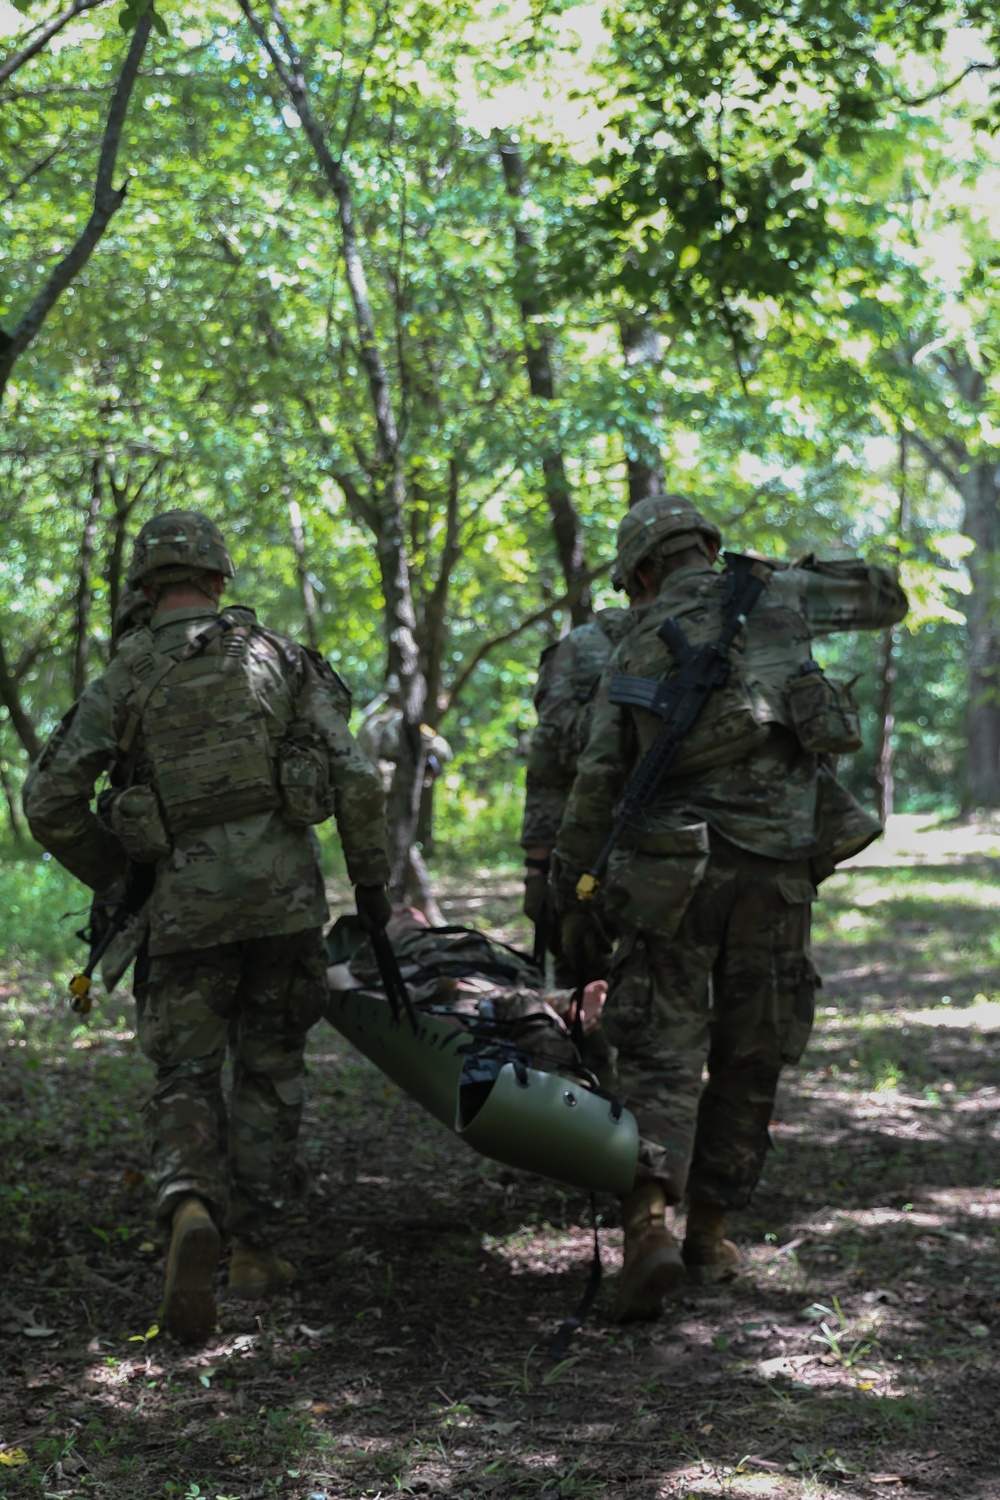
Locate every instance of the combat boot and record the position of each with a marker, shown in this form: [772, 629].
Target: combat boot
[653, 1265]
[708, 1257]
[189, 1291]
[253, 1271]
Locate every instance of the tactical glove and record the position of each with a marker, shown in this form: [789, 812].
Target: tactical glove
[374, 906]
[583, 944]
[536, 895]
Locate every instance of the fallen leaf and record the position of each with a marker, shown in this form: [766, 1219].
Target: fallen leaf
[501, 1428]
[707, 1427]
[13, 1457]
[35, 1331]
[132, 1179]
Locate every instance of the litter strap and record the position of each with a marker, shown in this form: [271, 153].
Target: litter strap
[561, 1338]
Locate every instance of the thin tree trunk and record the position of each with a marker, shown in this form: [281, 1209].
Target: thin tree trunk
[980, 489]
[107, 200]
[566, 526]
[885, 742]
[885, 748]
[123, 510]
[10, 797]
[643, 461]
[403, 657]
[88, 546]
[978, 483]
[10, 697]
[305, 582]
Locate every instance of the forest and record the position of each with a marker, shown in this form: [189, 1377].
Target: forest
[416, 302]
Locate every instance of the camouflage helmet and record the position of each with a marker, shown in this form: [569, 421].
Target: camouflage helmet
[653, 521]
[181, 540]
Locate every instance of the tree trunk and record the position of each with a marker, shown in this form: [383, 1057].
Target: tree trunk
[541, 382]
[107, 200]
[885, 743]
[10, 797]
[10, 697]
[388, 509]
[301, 567]
[979, 486]
[88, 545]
[643, 460]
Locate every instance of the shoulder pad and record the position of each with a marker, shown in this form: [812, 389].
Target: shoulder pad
[239, 614]
[332, 679]
[613, 622]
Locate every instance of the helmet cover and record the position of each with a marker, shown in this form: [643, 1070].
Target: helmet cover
[653, 521]
[179, 539]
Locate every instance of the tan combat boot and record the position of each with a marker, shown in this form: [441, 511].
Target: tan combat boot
[189, 1291]
[653, 1265]
[253, 1271]
[707, 1255]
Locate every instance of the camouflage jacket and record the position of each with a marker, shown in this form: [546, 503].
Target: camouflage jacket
[568, 674]
[252, 876]
[764, 797]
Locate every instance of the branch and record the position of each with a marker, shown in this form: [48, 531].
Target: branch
[38, 166]
[945, 88]
[107, 199]
[10, 697]
[546, 613]
[45, 35]
[937, 460]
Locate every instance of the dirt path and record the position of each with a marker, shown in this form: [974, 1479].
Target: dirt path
[857, 1355]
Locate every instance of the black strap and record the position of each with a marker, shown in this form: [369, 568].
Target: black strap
[561, 1338]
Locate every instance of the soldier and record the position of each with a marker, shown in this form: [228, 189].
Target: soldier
[226, 742]
[568, 674]
[715, 890]
[378, 736]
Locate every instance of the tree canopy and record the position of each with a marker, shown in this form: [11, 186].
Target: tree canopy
[417, 301]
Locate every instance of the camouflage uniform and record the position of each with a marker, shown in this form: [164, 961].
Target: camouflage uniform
[714, 892]
[238, 904]
[568, 674]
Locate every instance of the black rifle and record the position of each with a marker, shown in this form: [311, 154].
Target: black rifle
[138, 889]
[677, 703]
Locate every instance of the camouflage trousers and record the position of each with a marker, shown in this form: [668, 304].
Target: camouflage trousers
[263, 995]
[731, 992]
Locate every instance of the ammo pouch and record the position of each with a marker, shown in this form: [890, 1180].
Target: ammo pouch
[653, 876]
[136, 818]
[304, 782]
[823, 711]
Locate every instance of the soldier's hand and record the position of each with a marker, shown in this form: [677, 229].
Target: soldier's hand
[581, 945]
[536, 895]
[374, 906]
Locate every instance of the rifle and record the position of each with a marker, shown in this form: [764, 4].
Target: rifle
[677, 703]
[138, 889]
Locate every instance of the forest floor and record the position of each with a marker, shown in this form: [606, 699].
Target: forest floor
[857, 1355]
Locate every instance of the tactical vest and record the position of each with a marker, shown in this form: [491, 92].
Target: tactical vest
[772, 680]
[205, 744]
